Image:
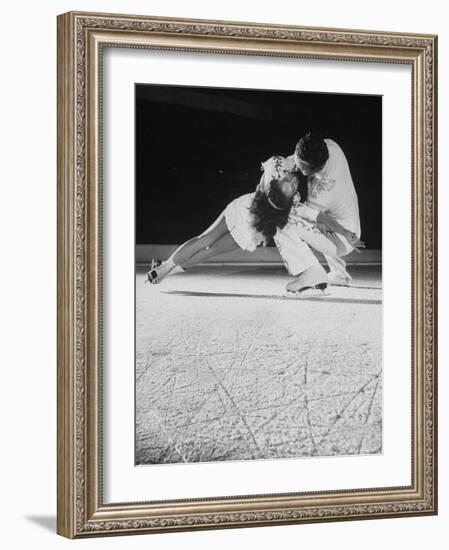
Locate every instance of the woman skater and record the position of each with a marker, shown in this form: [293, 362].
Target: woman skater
[247, 222]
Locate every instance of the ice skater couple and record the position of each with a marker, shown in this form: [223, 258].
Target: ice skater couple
[327, 220]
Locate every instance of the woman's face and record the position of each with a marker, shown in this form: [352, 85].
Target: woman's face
[288, 185]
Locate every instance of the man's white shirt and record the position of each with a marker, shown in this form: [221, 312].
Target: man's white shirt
[331, 190]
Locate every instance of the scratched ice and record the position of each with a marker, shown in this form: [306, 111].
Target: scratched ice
[228, 368]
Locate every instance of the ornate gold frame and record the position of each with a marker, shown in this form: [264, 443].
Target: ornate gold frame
[81, 37]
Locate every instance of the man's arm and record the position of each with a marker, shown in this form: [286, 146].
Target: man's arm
[332, 225]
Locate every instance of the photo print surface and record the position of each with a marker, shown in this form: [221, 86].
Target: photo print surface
[258, 294]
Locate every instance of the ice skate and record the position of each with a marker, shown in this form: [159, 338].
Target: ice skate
[153, 275]
[336, 279]
[313, 279]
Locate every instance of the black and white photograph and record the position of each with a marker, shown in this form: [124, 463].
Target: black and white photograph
[238, 345]
[258, 263]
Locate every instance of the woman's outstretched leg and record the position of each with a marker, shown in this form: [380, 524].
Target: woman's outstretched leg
[186, 251]
[224, 244]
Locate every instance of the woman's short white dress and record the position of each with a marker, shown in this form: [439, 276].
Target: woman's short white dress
[240, 223]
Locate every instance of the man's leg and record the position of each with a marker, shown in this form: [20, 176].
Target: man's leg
[337, 271]
[291, 240]
[331, 245]
[300, 262]
[338, 275]
[296, 253]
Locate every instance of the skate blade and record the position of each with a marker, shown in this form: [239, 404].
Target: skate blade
[309, 293]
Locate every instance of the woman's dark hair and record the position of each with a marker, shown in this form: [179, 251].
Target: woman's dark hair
[266, 218]
[312, 149]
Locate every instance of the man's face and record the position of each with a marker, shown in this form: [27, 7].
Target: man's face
[304, 166]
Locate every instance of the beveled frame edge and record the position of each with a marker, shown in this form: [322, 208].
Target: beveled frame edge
[81, 36]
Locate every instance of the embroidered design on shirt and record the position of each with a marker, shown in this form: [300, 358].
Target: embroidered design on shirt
[319, 184]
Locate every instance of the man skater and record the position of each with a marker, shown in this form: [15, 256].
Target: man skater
[330, 206]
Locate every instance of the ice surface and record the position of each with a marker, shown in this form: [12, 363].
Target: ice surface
[230, 368]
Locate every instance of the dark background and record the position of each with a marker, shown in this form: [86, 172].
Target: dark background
[199, 148]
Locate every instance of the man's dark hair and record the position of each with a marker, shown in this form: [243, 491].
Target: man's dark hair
[313, 150]
[267, 219]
